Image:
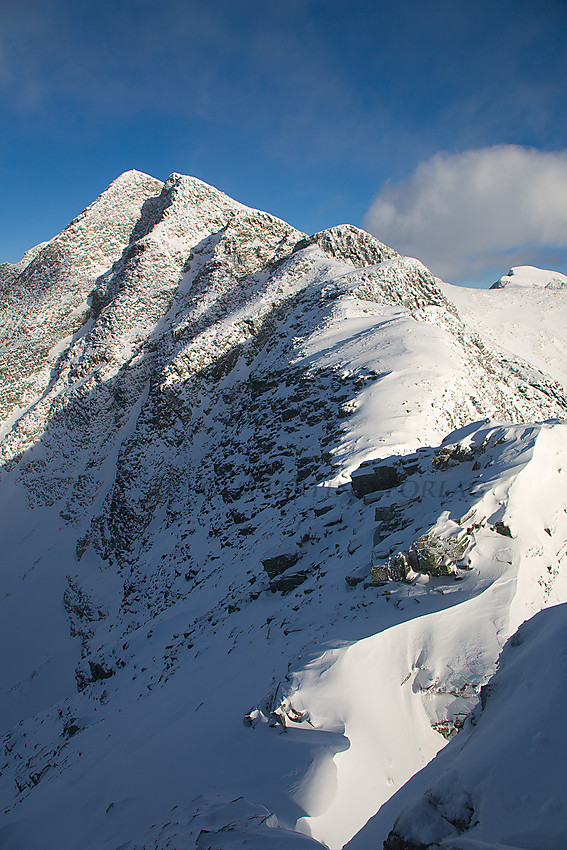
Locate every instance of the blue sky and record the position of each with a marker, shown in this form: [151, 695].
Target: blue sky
[308, 110]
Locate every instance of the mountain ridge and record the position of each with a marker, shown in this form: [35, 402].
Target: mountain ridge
[176, 478]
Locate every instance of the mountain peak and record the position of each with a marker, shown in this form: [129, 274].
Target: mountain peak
[227, 493]
[132, 175]
[531, 276]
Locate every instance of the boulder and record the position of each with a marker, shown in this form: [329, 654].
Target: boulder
[353, 581]
[399, 567]
[437, 557]
[503, 529]
[379, 572]
[369, 479]
[99, 671]
[288, 582]
[280, 563]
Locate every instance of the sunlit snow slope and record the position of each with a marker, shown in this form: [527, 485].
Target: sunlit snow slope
[270, 506]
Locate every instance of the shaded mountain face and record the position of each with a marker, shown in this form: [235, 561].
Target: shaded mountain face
[187, 386]
[43, 298]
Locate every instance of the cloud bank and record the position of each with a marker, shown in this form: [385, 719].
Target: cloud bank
[463, 214]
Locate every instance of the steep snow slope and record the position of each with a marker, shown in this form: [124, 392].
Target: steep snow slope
[178, 520]
[500, 784]
[426, 671]
[527, 324]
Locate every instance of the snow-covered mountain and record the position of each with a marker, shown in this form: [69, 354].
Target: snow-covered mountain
[252, 477]
[531, 276]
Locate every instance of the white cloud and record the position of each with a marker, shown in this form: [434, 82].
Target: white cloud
[462, 214]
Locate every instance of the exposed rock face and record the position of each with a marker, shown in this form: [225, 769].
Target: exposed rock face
[373, 477]
[43, 299]
[345, 242]
[279, 564]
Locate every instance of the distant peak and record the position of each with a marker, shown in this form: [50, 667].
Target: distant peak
[531, 276]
